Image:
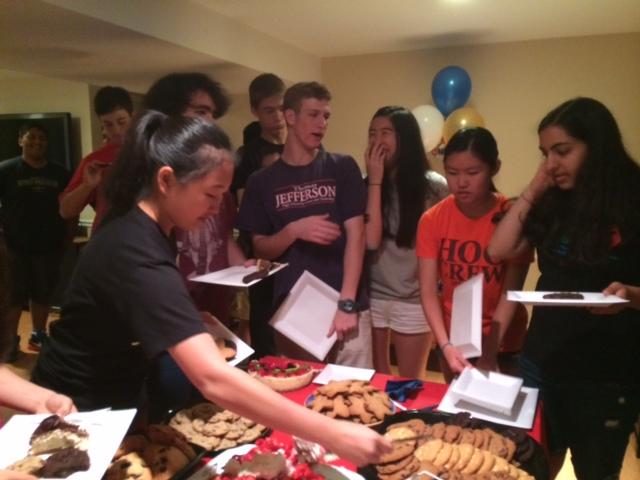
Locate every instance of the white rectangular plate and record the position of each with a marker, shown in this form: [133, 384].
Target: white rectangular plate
[466, 317]
[340, 372]
[491, 390]
[306, 315]
[243, 350]
[524, 408]
[591, 299]
[233, 276]
[106, 430]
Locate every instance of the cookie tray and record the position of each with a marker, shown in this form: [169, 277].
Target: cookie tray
[536, 465]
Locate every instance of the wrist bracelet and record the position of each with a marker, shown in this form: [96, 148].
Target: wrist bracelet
[448, 344]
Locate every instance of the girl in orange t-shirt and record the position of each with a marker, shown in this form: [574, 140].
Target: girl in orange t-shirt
[451, 247]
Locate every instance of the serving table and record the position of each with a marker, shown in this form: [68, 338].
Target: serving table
[429, 397]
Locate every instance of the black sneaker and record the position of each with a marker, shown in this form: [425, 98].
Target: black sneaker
[36, 340]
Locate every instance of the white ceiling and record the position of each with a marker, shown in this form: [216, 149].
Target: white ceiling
[346, 27]
[133, 43]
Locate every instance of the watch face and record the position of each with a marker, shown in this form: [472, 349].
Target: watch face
[347, 306]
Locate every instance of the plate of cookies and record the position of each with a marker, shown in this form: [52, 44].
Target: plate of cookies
[214, 428]
[455, 446]
[157, 453]
[355, 400]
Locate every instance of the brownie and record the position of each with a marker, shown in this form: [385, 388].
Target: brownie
[563, 296]
[65, 462]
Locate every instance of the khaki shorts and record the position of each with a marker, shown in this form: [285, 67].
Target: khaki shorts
[401, 317]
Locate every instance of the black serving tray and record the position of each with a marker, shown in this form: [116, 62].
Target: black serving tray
[537, 465]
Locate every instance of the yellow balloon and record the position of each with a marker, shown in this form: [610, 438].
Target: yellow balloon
[465, 117]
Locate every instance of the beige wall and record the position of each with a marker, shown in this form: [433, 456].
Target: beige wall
[514, 85]
[24, 93]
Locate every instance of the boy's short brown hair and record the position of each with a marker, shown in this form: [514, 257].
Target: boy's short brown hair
[265, 86]
[298, 92]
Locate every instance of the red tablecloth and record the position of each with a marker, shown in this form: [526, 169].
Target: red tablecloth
[430, 395]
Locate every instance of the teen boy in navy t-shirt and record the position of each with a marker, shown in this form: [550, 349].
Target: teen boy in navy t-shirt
[307, 209]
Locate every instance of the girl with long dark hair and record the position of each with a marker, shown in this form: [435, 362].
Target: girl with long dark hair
[401, 186]
[452, 248]
[127, 302]
[581, 212]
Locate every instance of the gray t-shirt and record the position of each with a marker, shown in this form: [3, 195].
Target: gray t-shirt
[393, 271]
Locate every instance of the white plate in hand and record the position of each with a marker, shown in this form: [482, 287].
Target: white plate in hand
[233, 276]
[591, 299]
[106, 429]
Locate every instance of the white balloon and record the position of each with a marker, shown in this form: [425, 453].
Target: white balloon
[431, 124]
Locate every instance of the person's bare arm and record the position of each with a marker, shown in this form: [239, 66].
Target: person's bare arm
[374, 159]
[432, 306]
[18, 393]
[352, 269]
[315, 228]
[232, 388]
[508, 241]
[74, 201]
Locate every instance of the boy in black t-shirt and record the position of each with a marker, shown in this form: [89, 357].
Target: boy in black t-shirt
[266, 93]
[34, 233]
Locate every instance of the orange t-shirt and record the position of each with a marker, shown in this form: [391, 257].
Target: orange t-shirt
[459, 244]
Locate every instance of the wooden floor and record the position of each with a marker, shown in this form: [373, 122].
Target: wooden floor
[27, 358]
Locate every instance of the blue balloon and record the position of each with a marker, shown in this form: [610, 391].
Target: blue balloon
[451, 89]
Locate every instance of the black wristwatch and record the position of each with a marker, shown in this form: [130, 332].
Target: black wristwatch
[347, 305]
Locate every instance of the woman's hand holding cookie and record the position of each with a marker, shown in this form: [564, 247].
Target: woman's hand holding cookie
[357, 444]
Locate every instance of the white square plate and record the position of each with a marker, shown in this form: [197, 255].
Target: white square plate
[491, 390]
[106, 429]
[340, 372]
[306, 315]
[591, 299]
[524, 408]
[243, 350]
[466, 317]
[233, 276]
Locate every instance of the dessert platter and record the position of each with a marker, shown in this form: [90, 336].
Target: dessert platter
[214, 428]
[79, 446]
[280, 374]
[354, 400]
[158, 453]
[272, 459]
[456, 447]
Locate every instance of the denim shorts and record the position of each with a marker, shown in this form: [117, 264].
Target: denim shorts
[593, 420]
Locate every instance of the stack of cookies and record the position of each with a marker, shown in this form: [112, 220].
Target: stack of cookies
[214, 428]
[450, 451]
[158, 454]
[353, 400]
